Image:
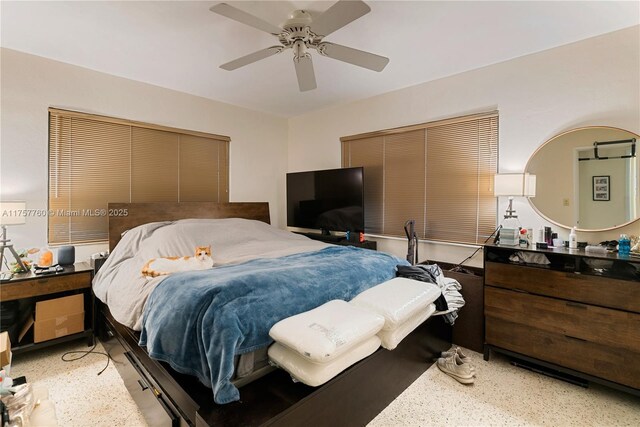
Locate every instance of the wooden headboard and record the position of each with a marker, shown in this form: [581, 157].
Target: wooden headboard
[125, 216]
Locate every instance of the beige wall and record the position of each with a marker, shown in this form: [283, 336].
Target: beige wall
[591, 82]
[31, 84]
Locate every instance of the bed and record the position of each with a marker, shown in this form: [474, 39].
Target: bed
[175, 381]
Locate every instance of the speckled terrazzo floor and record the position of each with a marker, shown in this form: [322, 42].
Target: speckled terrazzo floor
[502, 395]
[81, 396]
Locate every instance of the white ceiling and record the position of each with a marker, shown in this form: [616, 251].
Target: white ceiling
[180, 44]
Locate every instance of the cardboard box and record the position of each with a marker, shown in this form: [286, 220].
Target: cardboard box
[58, 317]
[5, 349]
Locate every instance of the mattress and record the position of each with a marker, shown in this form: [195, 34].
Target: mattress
[250, 366]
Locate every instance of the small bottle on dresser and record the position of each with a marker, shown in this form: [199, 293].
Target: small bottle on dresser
[624, 245]
[573, 239]
[523, 241]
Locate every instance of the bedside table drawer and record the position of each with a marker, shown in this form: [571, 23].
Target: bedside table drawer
[603, 291]
[44, 286]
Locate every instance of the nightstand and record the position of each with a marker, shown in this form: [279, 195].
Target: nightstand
[74, 280]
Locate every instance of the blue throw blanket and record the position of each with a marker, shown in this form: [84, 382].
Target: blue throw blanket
[198, 321]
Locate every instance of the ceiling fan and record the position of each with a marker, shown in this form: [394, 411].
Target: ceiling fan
[301, 33]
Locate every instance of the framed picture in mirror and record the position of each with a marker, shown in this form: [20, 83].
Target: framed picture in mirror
[601, 188]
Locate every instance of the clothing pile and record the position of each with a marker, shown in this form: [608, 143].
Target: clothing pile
[529, 258]
[457, 365]
[451, 299]
[451, 292]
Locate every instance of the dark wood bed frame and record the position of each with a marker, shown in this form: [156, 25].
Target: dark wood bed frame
[166, 397]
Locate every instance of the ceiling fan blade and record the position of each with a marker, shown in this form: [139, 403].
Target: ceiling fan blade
[339, 15]
[245, 18]
[353, 56]
[304, 71]
[251, 58]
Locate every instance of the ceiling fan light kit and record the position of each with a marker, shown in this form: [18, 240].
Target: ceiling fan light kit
[301, 33]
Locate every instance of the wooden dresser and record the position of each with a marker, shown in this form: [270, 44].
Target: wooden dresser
[579, 315]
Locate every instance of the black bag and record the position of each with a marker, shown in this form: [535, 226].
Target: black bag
[8, 314]
[13, 314]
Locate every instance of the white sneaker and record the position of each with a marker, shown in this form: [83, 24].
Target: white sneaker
[464, 358]
[454, 367]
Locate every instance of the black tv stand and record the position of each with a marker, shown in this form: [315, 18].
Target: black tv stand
[328, 237]
[340, 240]
[326, 232]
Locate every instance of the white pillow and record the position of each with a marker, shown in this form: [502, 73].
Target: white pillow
[324, 333]
[315, 374]
[397, 299]
[391, 339]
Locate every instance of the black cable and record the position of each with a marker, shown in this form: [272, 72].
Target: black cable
[458, 267]
[84, 353]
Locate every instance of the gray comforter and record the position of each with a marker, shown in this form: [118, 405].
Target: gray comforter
[120, 283]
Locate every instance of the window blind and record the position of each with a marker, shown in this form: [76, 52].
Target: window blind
[95, 160]
[438, 173]
[200, 169]
[404, 180]
[154, 165]
[369, 152]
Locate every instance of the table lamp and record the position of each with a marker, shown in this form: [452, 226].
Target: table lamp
[11, 213]
[514, 185]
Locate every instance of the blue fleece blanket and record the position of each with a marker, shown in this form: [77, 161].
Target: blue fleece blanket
[198, 321]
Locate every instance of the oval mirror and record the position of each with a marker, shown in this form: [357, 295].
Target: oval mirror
[588, 178]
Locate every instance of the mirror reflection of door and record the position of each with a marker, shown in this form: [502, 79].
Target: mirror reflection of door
[606, 187]
[589, 194]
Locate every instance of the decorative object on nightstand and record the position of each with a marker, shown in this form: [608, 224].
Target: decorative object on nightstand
[66, 255]
[45, 258]
[11, 213]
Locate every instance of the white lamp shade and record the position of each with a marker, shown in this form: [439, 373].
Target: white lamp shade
[514, 184]
[529, 189]
[12, 213]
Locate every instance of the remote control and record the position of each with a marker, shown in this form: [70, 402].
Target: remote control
[50, 270]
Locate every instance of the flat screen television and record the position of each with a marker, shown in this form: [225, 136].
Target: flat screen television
[329, 200]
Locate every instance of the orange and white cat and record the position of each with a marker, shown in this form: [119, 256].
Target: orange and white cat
[167, 265]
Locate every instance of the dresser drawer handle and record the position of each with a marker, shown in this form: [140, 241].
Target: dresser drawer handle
[575, 338]
[43, 281]
[576, 305]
